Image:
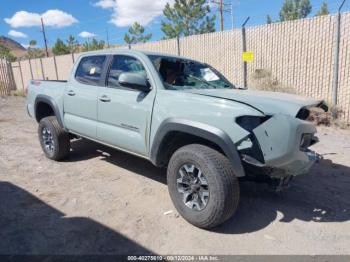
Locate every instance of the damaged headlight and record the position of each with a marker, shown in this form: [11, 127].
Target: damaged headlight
[249, 123]
[307, 140]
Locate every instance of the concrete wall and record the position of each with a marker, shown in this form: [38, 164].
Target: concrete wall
[298, 53]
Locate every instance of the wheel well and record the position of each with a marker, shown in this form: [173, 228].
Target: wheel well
[174, 140]
[43, 110]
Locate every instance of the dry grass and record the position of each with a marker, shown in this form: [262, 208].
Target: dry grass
[319, 117]
[262, 79]
[20, 92]
[3, 89]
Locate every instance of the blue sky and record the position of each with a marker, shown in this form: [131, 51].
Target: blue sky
[94, 16]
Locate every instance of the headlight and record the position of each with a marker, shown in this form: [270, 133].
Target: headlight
[249, 123]
[306, 141]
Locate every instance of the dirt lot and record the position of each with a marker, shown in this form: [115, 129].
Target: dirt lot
[101, 200]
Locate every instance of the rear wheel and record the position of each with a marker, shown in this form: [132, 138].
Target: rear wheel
[53, 138]
[202, 185]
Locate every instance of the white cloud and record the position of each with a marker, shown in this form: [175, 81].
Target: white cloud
[105, 4]
[54, 18]
[25, 45]
[126, 12]
[58, 18]
[86, 34]
[17, 34]
[23, 19]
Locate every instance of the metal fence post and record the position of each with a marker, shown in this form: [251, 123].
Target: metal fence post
[244, 49]
[42, 68]
[336, 62]
[55, 64]
[13, 85]
[178, 45]
[30, 67]
[20, 71]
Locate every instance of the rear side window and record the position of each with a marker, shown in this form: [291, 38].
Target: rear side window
[123, 64]
[90, 69]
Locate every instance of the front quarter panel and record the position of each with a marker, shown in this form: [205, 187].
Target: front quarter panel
[216, 112]
[213, 116]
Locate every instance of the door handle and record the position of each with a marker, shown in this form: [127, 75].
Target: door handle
[71, 93]
[105, 98]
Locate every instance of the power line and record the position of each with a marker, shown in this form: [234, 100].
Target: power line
[222, 8]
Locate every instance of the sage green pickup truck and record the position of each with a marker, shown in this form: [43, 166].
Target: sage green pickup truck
[180, 114]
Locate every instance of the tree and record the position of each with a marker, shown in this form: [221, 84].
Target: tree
[136, 34]
[32, 43]
[6, 53]
[72, 44]
[93, 45]
[303, 7]
[268, 19]
[60, 48]
[295, 9]
[187, 17]
[323, 10]
[33, 52]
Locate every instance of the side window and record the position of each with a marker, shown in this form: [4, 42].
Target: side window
[90, 69]
[123, 64]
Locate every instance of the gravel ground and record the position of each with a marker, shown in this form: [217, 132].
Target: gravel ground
[101, 200]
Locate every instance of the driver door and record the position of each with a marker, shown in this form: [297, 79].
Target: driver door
[124, 114]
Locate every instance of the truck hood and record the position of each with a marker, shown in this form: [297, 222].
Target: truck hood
[267, 102]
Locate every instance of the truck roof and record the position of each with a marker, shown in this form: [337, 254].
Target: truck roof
[129, 51]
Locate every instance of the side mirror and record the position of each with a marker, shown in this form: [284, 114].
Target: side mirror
[135, 81]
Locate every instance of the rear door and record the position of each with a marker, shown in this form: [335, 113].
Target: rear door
[80, 98]
[124, 114]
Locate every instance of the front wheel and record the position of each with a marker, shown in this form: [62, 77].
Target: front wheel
[202, 185]
[53, 138]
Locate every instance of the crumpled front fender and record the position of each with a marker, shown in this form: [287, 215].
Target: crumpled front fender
[280, 138]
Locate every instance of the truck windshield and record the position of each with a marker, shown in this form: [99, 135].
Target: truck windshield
[180, 74]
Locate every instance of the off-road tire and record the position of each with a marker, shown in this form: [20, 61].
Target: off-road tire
[222, 182]
[59, 136]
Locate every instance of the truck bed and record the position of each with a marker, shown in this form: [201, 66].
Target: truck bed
[50, 88]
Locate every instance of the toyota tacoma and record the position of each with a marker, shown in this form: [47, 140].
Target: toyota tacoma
[180, 114]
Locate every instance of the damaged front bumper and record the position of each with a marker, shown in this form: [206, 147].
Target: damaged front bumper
[283, 143]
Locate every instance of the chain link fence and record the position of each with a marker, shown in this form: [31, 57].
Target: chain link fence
[297, 55]
[7, 82]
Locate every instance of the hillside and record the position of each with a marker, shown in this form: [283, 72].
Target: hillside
[16, 49]
[11, 44]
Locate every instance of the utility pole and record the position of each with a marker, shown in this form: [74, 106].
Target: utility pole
[231, 15]
[223, 7]
[221, 16]
[107, 36]
[45, 41]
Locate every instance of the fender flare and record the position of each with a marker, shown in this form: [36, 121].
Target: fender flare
[201, 130]
[51, 102]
